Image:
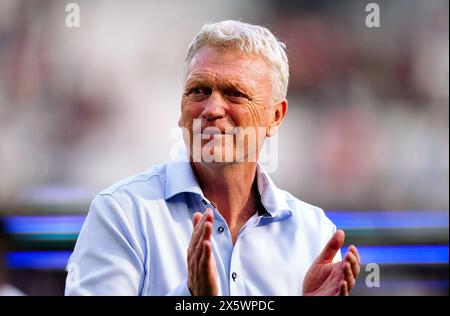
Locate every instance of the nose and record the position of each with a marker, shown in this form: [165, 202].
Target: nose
[214, 107]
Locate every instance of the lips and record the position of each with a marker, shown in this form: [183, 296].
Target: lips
[208, 132]
[213, 130]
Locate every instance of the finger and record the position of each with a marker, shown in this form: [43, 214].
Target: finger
[207, 260]
[205, 235]
[349, 278]
[332, 247]
[209, 215]
[196, 234]
[195, 247]
[206, 255]
[208, 223]
[351, 258]
[208, 231]
[194, 252]
[343, 289]
[198, 248]
[197, 218]
[206, 270]
[198, 229]
[355, 251]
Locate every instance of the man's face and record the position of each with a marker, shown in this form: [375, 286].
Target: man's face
[226, 89]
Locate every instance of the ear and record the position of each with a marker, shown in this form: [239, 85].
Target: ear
[279, 113]
[180, 123]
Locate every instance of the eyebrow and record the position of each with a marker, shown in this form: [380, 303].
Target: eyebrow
[223, 84]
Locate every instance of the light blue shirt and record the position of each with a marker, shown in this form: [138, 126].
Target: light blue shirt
[137, 232]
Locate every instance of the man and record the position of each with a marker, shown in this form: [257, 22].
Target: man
[215, 225]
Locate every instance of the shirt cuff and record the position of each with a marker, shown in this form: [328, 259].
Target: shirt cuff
[181, 290]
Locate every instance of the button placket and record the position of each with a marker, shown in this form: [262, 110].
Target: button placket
[236, 274]
[225, 250]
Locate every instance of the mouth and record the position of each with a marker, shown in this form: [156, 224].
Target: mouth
[216, 131]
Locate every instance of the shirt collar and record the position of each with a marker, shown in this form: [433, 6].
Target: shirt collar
[180, 178]
[272, 198]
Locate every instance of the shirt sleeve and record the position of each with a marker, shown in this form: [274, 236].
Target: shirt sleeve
[108, 258]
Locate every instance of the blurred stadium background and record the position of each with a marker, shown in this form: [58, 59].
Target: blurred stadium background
[366, 137]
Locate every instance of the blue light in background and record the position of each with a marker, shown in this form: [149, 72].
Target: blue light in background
[389, 219]
[410, 254]
[38, 259]
[381, 254]
[44, 224]
[342, 219]
[375, 254]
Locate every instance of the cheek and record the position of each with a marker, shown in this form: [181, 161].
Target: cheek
[241, 116]
[189, 111]
[250, 114]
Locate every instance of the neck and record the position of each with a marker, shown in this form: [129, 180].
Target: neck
[231, 188]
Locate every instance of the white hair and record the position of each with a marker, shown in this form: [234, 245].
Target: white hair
[247, 38]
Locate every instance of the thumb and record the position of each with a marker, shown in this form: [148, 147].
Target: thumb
[334, 244]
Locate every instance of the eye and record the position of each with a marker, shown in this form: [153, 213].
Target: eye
[237, 95]
[199, 91]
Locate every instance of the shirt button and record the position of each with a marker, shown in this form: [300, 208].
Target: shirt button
[204, 202]
[220, 229]
[234, 276]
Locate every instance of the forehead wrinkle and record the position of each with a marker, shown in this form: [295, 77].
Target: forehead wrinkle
[201, 77]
